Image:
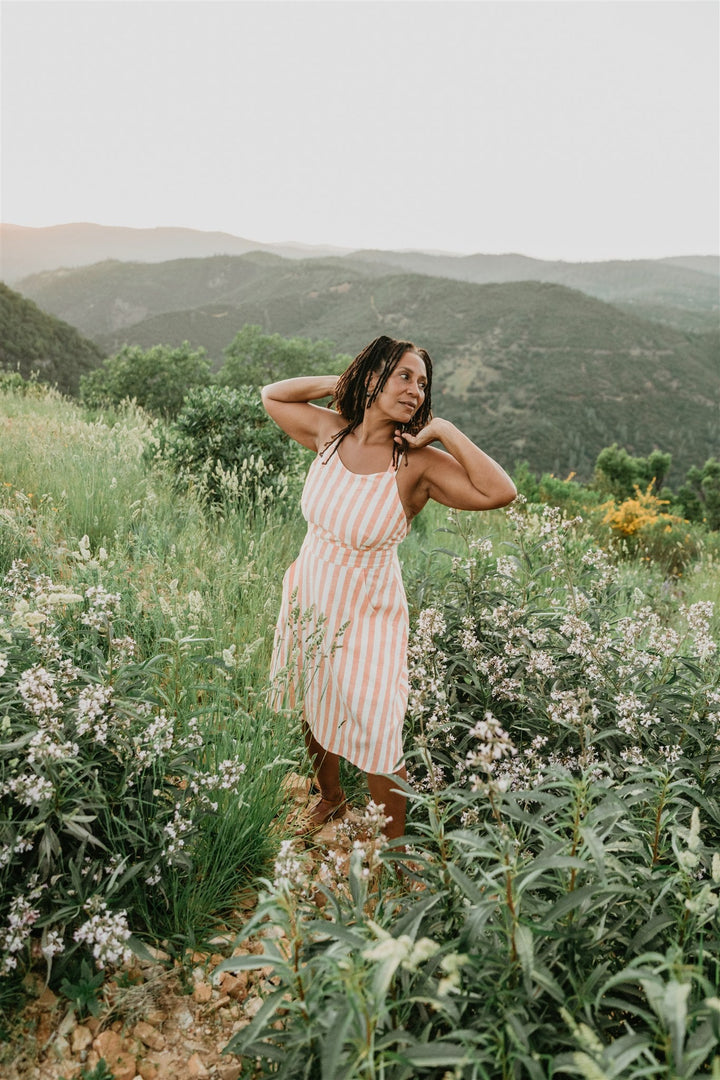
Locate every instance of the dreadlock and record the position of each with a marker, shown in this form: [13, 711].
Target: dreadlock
[352, 398]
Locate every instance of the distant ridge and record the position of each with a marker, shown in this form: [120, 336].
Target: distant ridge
[26, 250]
[680, 291]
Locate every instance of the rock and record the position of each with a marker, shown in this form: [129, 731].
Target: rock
[229, 1072]
[202, 993]
[196, 1067]
[149, 1035]
[184, 1019]
[82, 1037]
[234, 985]
[124, 1068]
[109, 1045]
[253, 1005]
[61, 1047]
[223, 1000]
[47, 999]
[157, 954]
[93, 1024]
[148, 1070]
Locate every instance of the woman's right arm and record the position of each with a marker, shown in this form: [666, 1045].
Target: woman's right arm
[288, 403]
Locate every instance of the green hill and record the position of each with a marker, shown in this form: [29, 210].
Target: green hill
[680, 292]
[531, 370]
[33, 342]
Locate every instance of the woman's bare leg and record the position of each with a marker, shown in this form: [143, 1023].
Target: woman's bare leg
[384, 789]
[326, 767]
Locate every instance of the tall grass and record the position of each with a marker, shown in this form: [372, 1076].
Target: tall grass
[198, 593]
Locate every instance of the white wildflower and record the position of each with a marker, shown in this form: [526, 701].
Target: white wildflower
[106, 933]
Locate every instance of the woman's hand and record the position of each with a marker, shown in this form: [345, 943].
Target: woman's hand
[465, 477]
[432, 432]
[288, 402]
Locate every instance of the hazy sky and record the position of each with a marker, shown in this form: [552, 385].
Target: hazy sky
[583, 129]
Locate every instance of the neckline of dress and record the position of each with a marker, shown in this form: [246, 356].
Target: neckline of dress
[352, 472]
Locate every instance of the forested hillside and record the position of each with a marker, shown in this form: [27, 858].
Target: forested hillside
[532, 370]
[33, 342]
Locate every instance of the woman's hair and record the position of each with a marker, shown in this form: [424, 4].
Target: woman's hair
[352, 397]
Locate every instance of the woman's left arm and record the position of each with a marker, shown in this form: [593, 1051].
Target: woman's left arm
[466, 478]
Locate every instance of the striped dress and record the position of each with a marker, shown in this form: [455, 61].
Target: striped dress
[341, 639]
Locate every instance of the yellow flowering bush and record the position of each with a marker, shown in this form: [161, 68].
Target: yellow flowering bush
[639, 526]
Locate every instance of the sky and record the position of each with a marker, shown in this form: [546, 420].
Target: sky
[560, 129]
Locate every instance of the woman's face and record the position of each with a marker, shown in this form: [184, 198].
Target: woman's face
[405, 389]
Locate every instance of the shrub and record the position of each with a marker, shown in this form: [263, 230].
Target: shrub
[640, 527]
[224, 443]
[254, 358]
[699, 496]
[156, 379]
[618, 473]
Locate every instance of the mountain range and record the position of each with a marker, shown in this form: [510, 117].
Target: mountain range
[540, 370]
[680, 291]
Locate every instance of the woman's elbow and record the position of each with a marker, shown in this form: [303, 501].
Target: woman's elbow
[503, 495]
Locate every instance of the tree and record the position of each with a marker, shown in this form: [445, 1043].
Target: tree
[158, 379]
[699, 496]
[254, 358]
[617, 473]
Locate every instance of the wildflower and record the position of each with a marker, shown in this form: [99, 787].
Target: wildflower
[91, 712]
[103, 605]
[36, 687]
[155, 740]
[401, 951]
[494, 744]
[290, 872]
[452, 964]
[175, 832]
[22, 916]
[431, 622]
[698, 617]
[123, 648]
[52, 944]
[107, 934]
[28, 788]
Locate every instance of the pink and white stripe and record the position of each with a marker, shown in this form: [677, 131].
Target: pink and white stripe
[341, 639]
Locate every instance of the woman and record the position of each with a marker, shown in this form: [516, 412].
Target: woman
[341, 639]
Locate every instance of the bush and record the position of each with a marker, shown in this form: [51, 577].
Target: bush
[617, 473]
[224, 443]
[564, 836]
[639, 527]
[699, 496]
[157, 379]
[254, 358]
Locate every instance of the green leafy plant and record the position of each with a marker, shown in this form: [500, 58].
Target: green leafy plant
[85, 992]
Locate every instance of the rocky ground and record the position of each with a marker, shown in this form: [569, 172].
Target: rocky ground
[160, 1019]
